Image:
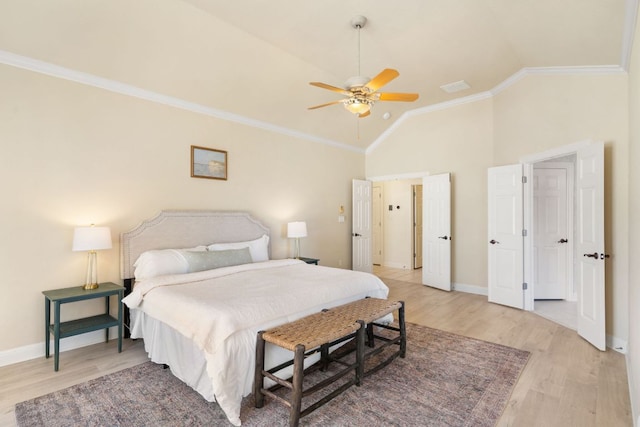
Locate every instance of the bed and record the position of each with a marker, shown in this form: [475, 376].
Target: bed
[201, 284]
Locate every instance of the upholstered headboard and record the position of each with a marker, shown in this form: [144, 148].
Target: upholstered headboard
[184, 229]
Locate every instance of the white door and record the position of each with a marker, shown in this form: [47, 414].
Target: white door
[417, 226]
[590, 254]
[361, 227]
[436, 231]
[551, 233]
[376, 224]
[505, 246]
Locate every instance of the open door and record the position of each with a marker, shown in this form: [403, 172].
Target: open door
[361, 227]
[417, 226]
[590, 254]
[436, 231]
[377, 236]
[506, 240]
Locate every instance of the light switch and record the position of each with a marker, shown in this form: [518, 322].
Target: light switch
[340, 218]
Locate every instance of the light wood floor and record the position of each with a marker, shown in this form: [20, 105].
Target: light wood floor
[566, 382]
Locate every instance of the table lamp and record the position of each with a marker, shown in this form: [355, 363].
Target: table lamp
[91, 239]
[295, 230]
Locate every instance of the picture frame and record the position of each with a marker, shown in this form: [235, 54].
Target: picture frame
[208, 163]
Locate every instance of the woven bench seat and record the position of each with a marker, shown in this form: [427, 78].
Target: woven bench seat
[302, 336]
[369, 310]
[318, 332]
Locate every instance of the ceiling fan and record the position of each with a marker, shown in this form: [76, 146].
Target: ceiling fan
[362, 92]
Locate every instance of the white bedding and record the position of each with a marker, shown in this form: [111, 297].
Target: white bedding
[222, 310]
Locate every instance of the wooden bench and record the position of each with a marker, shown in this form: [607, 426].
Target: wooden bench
[317, 333]
[369, 310]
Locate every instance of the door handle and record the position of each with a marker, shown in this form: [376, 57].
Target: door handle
[443, 237]
[593, 255]
[493, 242]
[603, 256]
[356, 235]
[562, 241]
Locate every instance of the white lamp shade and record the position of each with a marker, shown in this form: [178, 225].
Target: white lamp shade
[91, 238]
[297, 229]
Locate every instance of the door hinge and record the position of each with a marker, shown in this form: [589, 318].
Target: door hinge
[525, 286]
[524, 179]
[524, 233]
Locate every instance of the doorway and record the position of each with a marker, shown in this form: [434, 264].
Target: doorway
[555, 295]
[511, 228]
[394, 225]
[588, 253]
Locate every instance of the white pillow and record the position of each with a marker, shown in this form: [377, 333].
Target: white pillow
[259, 248]
[162, 261]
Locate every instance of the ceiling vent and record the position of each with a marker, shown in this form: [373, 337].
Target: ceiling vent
[455, 86]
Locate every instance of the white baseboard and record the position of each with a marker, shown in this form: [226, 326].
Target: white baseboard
[396, 265]
[617, 344]
[613, 343]
[33, 351]
[471, 289]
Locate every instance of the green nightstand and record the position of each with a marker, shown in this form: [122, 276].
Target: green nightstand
[80, 326]
[309, 260]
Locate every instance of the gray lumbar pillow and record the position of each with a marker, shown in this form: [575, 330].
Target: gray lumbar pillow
[209, 260]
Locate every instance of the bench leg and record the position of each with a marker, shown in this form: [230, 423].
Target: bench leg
[370, 336]
[360, 342]
[296, 383]
[324, 357]
[403, 331]
[258, 381]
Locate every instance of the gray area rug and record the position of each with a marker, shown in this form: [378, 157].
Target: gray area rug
[445, 380]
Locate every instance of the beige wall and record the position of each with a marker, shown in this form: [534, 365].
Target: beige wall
[172, 48]
[535, 114]
[633, 356]
[456, 140]
[74, 155]
[542, 112]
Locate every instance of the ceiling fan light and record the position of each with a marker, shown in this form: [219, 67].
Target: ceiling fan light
[357, 106]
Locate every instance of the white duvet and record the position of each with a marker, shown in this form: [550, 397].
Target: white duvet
[222, 310]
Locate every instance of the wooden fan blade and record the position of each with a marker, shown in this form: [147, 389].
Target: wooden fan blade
[324, 105]
[406, 97]
[364, 114]
[382, 79]
[329, 87]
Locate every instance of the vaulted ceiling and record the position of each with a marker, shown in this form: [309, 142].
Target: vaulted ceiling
[251, 60]
[430, 42]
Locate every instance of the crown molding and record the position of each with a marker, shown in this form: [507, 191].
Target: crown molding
[57, 71]
[511, 80]
[87, 79]
[396, 177]
[556, 71]
[425, 110]
[630, 19]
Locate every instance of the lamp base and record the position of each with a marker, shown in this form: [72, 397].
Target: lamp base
[90, 286]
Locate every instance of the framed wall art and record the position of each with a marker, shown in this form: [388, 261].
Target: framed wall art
[208, 163]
